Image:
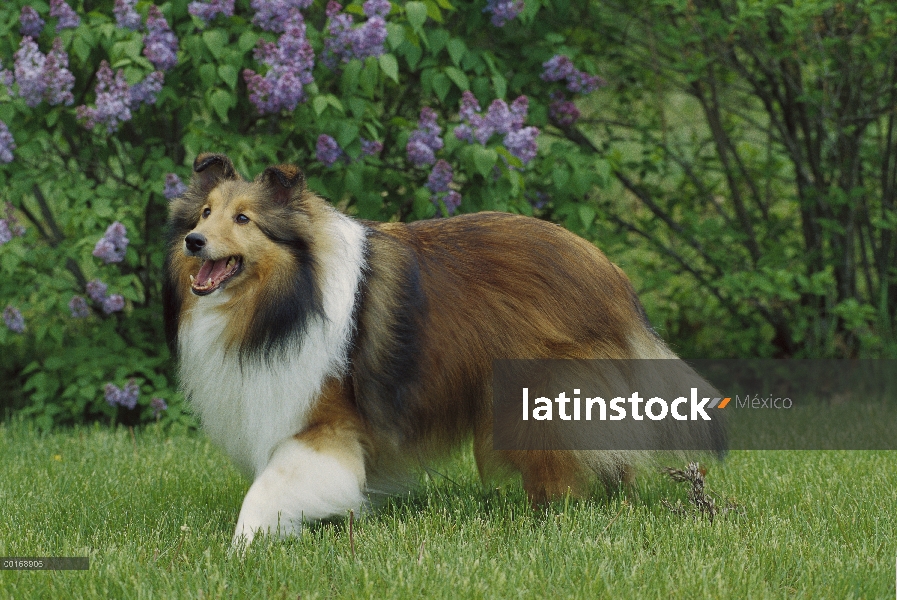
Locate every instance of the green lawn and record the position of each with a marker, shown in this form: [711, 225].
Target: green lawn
[155, 514]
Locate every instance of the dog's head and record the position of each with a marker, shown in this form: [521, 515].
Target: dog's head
[231, 231]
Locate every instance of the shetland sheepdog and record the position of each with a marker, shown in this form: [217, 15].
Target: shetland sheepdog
[325, 354]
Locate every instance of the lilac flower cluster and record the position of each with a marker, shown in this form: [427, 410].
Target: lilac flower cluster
[68, 18]
[439, 183]
[96, 290]
[160, 46]
[9, 226]
[41, 77]
[290, 63]
[503, 10]
[209, 9]
[144, 92]
[425, 140]
[347, 41]
[273, 15]
[158, 405]
[500, 119]
[14, 319]
[112, 100]
[562, 111]
[112, 246]
[79, 308]
[30, 23]
[115, 99]
[327, 150]
[371, 147]
[561, 68]
[126, 397]
[126, 16]
[174, 187]
[7, 144]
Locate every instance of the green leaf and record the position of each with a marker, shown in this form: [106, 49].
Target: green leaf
[433, 11]
[229, 74]
[456, 49]
[319, 104]
[586, 215]
[247, 41]
[500, 84]
[484, 159]
[395, 35]
[458, 77]
[215, 40]
[417, 14]
[209, 75]
[221, 101]
[346, 133]
[390, 66]
[441, 86]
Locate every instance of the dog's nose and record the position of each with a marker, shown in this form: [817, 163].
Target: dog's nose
[195, 242]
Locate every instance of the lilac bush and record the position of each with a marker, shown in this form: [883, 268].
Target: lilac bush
[290, 63]
[504, 11]
[209, 9]
[125, 397]
[68, 18]
[346, 41]
[499, 119]
[273, 15]
[78, 307]
[14, 320]
[174, 187]
[425, 141]
[327, 150]
[7, 144]
[113, 100]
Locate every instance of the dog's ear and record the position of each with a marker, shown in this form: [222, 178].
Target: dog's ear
[211, 169]
[282, 181]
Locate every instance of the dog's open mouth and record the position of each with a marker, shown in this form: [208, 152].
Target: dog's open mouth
[213, 273]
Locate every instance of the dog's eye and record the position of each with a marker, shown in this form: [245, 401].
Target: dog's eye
[241, 219]
[206, 212]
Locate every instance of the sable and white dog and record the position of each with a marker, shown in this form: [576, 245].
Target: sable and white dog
[324, 354]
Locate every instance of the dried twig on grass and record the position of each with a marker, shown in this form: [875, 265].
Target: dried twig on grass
[701, 499]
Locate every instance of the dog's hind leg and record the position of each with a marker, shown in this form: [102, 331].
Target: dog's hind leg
[309, 477]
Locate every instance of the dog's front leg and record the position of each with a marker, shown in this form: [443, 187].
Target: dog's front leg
[305, 480]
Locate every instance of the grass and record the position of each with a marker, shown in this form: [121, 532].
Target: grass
[155, 514]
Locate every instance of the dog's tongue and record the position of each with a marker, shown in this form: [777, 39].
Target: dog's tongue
[211, 270]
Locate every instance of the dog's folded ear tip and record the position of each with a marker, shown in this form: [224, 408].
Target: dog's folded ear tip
[285, 176]
[206, 159]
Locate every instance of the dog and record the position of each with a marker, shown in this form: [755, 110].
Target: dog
[326, 354]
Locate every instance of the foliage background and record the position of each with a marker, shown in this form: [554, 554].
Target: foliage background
[739, 165]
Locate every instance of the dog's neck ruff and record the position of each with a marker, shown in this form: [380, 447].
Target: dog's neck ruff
[250, 408]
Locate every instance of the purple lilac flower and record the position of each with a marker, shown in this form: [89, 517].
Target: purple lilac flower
[30, 23]
[59, 79]
[158, 405]
[327, 150]
[29, 71]
[113, 100]
[113, 303]
[126, 16]
[160, 46]
[562, 111]
[209, 9]
[452, 201]
[272, 15]
[371, 147]
[503, 10]
[559, 67]
[522, 143]
[425, 140]
[126, 397]
[79, 308]
[68, 18]
[174, 187]
[5, 233]
[290, 63]
[7, 79]
[113, 245]
[96, 290]
[499, 119]
[7, 144]
[14, 319]
[144, 92]
[347, 41]
[440, 177]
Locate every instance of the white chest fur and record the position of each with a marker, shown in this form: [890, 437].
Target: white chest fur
[249, 409]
